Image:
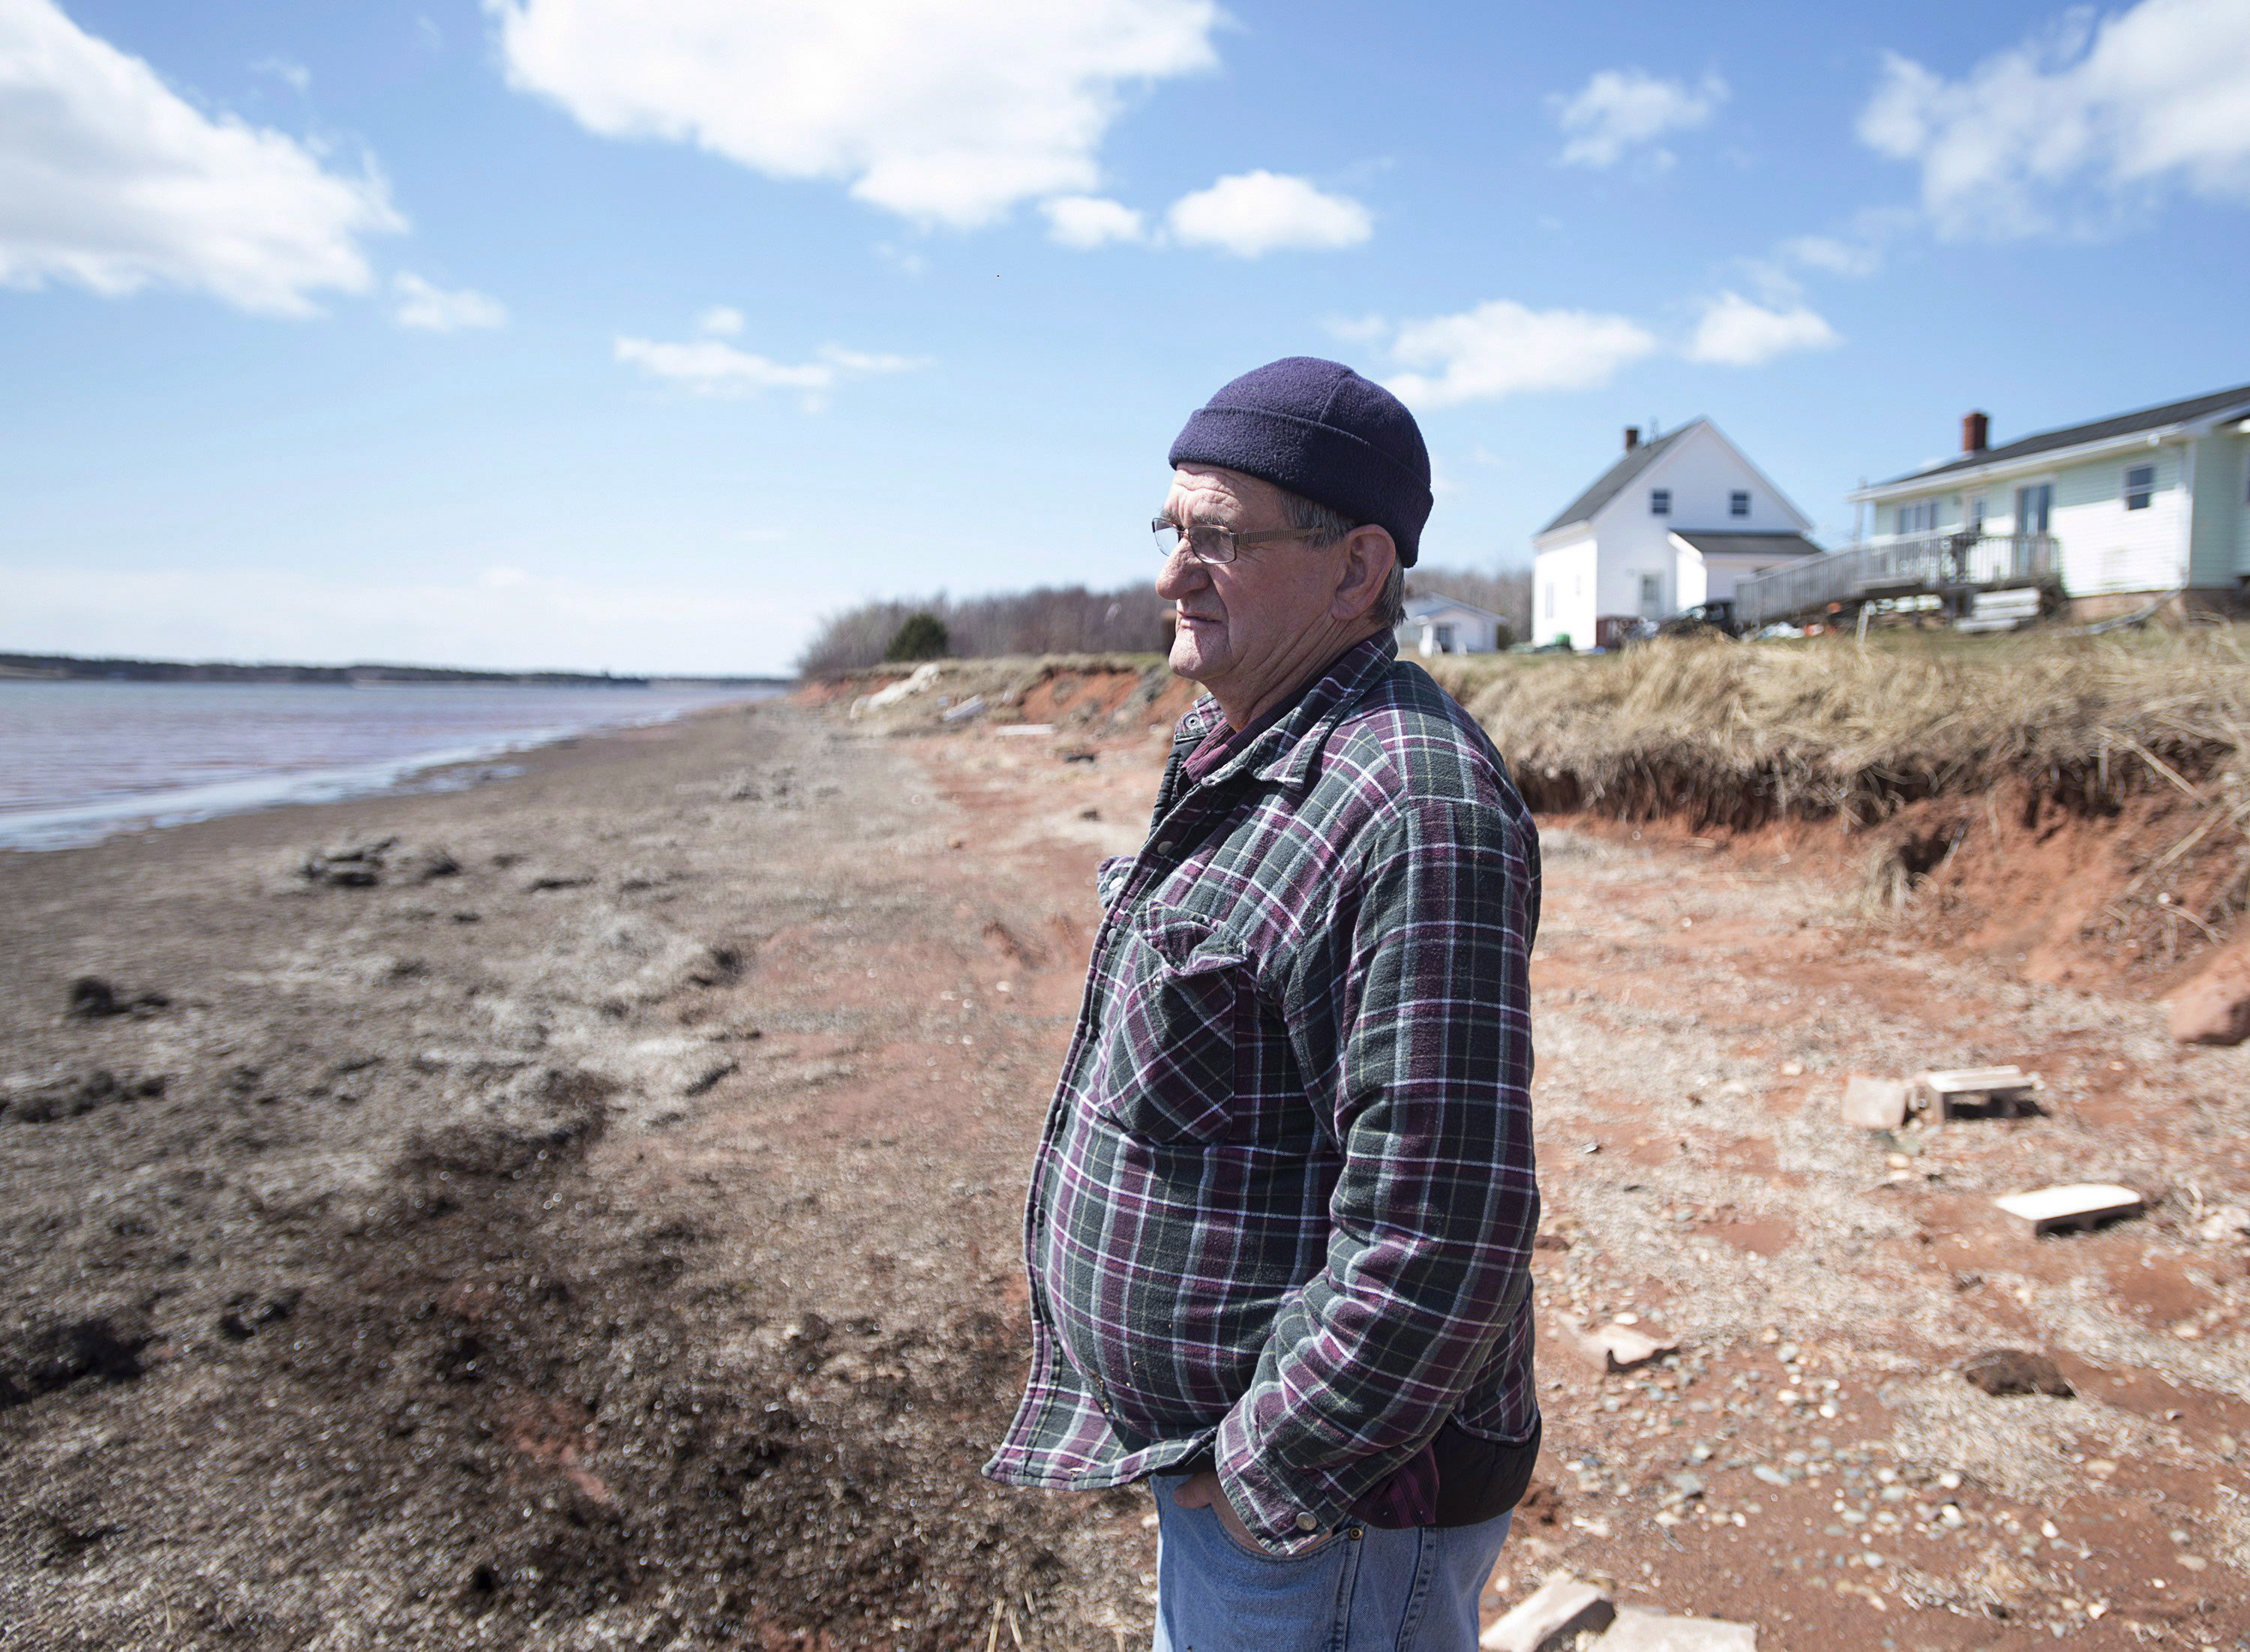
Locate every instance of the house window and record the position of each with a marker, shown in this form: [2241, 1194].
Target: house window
[1921, 517]
[1972, 514]
[1660, 501]
[2034, 507]
[1738, 503]
[2140, 483]
[1651, 596]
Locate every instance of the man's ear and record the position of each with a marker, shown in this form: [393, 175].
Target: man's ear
[1369, 556]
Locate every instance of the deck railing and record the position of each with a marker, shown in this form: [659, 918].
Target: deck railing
[1907, 566]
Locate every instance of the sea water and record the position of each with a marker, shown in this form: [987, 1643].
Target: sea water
[81, 760]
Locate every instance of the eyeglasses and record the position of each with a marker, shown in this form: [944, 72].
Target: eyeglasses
[1209, 543]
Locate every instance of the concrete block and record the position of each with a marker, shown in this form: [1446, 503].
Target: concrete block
[1874, 1104]
[1560, 1607]
[2081, 1204]
[1639, 1629]
[2006, 1091]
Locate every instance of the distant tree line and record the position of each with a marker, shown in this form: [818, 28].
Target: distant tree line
[75, 668]
[1073, 620]
[1051, 620]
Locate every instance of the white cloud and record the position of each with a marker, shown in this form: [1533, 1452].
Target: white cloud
[1086, 221]
[2066, 131]
[1735, 332]
[722, 319]
[1622, 111]
[1855, 249]
[709, 366]
[942, 112]
[432, 309]
[1503, 348]
[1833, 255]
[110, 180]
[870, 360]
[903, 259]
[295, 74]
[1250, 214]
[1357, 329]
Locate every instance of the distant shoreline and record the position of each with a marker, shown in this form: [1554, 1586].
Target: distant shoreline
[71, 668]
[122, 797]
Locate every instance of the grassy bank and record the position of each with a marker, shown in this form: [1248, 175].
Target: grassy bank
[2091, 787]
[1735, 734]
[1726, 734]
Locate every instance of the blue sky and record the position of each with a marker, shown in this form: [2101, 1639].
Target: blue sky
[639, 333]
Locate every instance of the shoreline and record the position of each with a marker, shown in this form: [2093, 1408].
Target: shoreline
[46, 830]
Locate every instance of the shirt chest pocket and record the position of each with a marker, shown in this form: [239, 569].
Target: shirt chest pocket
[1182, 1013]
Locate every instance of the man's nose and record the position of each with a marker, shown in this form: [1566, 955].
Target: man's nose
[1182, 572]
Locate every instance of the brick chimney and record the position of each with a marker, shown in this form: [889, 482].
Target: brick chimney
[1631, 438]
[1975, 431]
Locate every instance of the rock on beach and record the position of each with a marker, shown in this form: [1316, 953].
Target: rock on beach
[2214, 1008]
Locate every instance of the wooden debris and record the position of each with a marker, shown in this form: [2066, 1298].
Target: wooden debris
[1616, 1346]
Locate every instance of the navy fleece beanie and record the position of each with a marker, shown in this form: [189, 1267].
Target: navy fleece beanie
[1318, 429]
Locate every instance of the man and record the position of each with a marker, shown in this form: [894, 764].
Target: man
[1281, 1220]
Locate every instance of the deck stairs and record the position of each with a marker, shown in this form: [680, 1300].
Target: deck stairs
[1959, 567]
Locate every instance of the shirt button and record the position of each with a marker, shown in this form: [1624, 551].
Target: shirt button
[1307, 1523]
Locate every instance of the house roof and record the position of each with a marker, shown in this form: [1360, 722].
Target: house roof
[1416, 607]
[1712, 543]
[1612, 481]
[2148, 418]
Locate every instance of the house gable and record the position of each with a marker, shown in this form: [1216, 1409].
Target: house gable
[1612, 482]
[1622, 490]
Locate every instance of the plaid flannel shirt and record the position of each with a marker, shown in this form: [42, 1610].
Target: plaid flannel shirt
[1281, 1214]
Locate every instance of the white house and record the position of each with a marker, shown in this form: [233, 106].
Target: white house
[1443, 625]
[2139, 504]
[1675, 522]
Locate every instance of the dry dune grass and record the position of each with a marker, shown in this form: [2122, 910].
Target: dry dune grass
[1724, 733]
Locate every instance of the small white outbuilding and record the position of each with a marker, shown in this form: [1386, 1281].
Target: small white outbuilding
[1443, 625]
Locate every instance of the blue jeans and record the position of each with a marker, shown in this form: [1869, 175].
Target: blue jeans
[1404, 1591]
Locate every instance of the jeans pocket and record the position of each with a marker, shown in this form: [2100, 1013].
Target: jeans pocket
[1227, 1534]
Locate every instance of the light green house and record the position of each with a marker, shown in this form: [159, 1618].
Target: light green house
[2138, 506]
